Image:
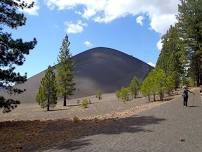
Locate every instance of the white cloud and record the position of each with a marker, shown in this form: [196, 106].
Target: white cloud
[88, 44]
[152, 64]
[161, 14]
[161, 23]
[34, 10]
[75, 27]
[88, 13]
[139, 20]
[159, 44]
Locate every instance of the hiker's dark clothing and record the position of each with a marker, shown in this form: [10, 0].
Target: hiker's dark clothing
[185, 95]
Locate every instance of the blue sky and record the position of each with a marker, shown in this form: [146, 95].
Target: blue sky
[132, 26]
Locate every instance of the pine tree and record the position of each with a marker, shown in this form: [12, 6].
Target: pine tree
[65, 71]
[172, 59]
[157, 83]
[146, 89]
[12, 52]
[190, 25]
[134, 87]
[47, 93]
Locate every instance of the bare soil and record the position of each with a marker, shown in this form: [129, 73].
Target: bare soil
[98, 108]
[30, 128]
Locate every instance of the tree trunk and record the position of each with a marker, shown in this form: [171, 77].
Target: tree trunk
[135, 95]
[48, 109]
[199, 79]
[198, 75]
[154, 97]
[149, 98]
[161, 96]
[65, 100]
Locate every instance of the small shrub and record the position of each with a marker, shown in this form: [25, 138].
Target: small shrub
[99, 95]
[123, 94]
[89, 101]
[84, 103]
[76, 119]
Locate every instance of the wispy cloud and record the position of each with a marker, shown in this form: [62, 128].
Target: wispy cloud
[139, 20]
[88, 44]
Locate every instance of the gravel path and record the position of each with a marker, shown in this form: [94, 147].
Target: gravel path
[166, 128]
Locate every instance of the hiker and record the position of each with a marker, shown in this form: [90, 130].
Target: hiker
[185, 95]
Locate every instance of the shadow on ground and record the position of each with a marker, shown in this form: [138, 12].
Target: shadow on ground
[193, 106]
[64, 134]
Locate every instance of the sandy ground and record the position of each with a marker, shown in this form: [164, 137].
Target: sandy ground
[30, 128]
[109, 106]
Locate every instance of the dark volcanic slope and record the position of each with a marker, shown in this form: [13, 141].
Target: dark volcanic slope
[100, 68]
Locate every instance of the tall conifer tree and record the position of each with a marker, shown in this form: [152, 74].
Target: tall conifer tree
[47, 93]
[190, 25]
[65, 71]
[12, 51]
[172, 59]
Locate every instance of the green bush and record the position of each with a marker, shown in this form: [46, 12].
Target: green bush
[99, 95]
[84, 103]
[75, 119]
[123, 94]
[157, 83]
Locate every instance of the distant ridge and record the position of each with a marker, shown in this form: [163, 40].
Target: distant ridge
[100, 68]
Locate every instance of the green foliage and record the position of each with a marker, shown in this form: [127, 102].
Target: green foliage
[190, 26]
[65, 71]
[84, 103]
[123, 94]
[12, 51]
[41, 97]
[145, 88]
[99, 95]
[181, 55]
[126, 93]
[172, 59]
[135, 87]
[170, 84]
[190, 82]
[76, 119]
[8, 104]
[47, 93]
[157, 83]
